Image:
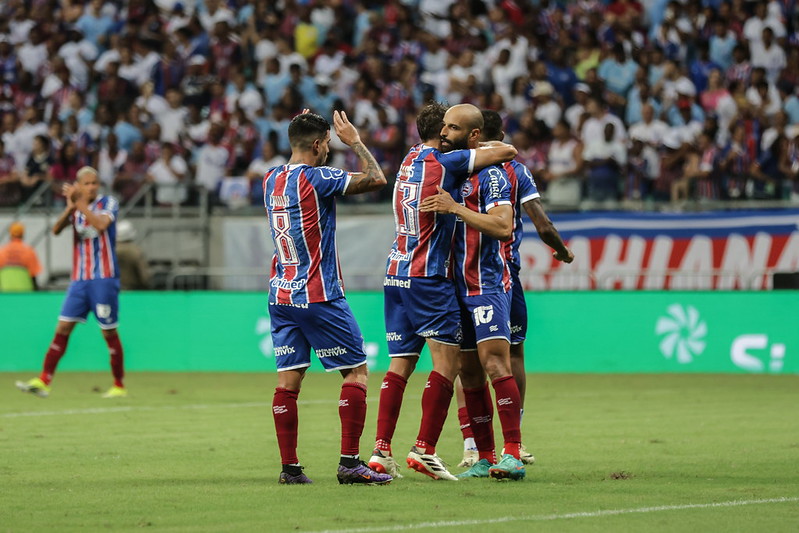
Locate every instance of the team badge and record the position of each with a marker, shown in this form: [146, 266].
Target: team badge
[466, 189]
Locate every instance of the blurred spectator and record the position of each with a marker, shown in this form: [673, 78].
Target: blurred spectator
[269, 158]
[563, 175]
[9, 179]
[110, 160]
[168, 172]
[212, 161]
[605, 158]
[546, 108]
[132, 174]
[134, 272]
[19, 264]
[64, 169]
[36, 168]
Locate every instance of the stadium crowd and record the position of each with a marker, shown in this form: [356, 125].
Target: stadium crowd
[655, 100]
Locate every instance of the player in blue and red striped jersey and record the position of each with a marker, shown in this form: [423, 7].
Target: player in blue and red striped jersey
[306, 297]
[95, 278]
[420, 304]
[483, 280]
[525, 197]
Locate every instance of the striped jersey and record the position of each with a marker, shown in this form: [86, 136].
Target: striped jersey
[522, 190]
[301, 207]
[94, 253]
[423, 240]
[479, 262]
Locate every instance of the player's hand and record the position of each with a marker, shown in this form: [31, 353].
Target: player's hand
[344, 129]
[71, 192]
[438, 203]
[568, 257]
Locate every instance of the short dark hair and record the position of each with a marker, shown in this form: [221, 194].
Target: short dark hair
[304, 129]
[492, 126]
[430, 121]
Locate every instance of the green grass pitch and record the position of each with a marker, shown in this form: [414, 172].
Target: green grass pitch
[197, 452]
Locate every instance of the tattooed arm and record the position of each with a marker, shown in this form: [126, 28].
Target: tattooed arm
[372, 178]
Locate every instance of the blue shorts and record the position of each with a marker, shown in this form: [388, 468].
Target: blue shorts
[327, 327]
[484, 317]
[100, 296]
[518, 311]
[417, 309]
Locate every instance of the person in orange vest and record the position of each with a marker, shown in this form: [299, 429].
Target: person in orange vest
[17, 255]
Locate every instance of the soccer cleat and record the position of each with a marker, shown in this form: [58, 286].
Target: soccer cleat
[507, 468]
[470, 457]
[478, 469]
[384, 463]
[34, 386]
[361, 474]
[526, 457]
[116, 392]
[429, 465]
[290, 479]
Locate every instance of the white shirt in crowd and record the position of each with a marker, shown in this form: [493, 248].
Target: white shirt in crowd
[753, 29]
[23, 141]
[168, 179]
[260, 166]
[772, 59]
[688, 133]
[77, 57]
[107, 167]
[651, 133]
[32, 57]
[154, 105]
[594, 128]
[774, 103]
[173, 123]
[599, 148]
[549, 112]
[211, 166]
[561, 157]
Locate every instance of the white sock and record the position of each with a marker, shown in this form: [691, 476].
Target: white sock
[469, 444]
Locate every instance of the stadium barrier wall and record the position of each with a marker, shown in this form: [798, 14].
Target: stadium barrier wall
[595, 332]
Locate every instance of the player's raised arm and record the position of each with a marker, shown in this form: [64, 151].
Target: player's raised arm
[493, 153]
[69, 191]
[546, 230]
[497, 223]
[372, 178]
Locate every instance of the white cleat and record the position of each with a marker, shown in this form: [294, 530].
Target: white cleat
[470, 457]
[429, 464]
[384, 463]
[525, 456]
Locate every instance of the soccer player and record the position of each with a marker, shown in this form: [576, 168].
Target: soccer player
[482, 278]
[306, 297]
[420, 303]
[525, 197]
[95, 279]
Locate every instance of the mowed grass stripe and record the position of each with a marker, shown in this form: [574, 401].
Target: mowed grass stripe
[565, 516]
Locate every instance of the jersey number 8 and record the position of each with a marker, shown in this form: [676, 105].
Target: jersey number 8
[284, 243]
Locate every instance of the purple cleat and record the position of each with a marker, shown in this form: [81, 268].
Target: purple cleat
[290, 479]
[361, 474]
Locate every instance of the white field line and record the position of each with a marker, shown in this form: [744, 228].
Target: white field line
[134, 408]
[565, 516]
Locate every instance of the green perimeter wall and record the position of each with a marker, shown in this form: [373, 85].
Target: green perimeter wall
[731, 332]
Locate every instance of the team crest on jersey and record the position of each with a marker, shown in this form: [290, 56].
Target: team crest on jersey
[466, 189]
